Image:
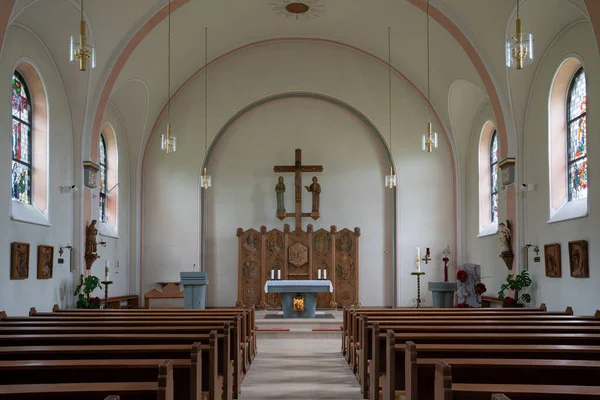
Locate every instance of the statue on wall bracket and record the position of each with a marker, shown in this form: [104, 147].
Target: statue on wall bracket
[505, 239]
[315, 189]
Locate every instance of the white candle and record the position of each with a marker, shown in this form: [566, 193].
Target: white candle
[319, 274]
[279, 274]
[325, 274]
[272, 274]
[418, 259]
[106, 264]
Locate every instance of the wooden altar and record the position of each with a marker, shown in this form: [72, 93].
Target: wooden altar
[298, 254]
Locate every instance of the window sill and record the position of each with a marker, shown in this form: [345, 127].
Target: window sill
[489, 230]
[106, 230]
[571, 210]
[28, 214]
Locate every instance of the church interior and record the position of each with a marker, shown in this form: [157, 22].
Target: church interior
[328, 183]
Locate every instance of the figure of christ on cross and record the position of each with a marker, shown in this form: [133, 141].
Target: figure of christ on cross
[298, 169]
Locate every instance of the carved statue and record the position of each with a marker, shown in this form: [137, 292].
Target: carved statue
[315, 189]
[280, 191]
[90, 238]
[504, 237]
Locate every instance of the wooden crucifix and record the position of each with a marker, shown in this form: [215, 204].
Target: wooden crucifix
[298, 169]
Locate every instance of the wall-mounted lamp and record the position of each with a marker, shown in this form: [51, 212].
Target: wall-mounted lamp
[102, 243]
[68, 189]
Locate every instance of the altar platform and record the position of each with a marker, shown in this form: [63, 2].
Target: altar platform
[298, 328]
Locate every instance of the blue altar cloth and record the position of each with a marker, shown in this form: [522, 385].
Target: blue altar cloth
[306, 289]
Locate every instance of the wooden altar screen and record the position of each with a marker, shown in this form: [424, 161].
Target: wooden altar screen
[299, 255]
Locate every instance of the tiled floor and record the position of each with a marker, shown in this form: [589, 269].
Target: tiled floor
[299, 369]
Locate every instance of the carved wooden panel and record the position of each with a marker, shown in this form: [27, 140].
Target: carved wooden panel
[322, 260]
[346, 267]
[297, 256]
[250, 267]
[274, 260]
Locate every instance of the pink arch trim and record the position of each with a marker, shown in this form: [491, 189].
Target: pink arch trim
[5, 10]
[484, 75]
[593, 7]
[123, 58]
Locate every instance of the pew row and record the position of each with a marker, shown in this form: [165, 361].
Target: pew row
[446, 389]
[193, 373]
[161, 388]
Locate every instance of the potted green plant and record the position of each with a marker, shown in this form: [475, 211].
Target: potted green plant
[86, 286]
[516, 283]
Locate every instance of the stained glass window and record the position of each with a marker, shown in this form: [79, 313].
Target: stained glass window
[102, 147]
[21, 140]
[576, 137]
[494, 177]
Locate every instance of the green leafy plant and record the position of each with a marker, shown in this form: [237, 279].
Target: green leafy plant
[516, 283]
[86, 286]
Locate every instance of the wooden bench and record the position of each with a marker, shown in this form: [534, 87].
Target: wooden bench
[119, 302]
[231, 376]
[445, 389]
[193, 373]
[160, 389]
[378, 357]
[534, 363]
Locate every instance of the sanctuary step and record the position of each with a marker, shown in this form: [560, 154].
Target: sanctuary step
[325, 325]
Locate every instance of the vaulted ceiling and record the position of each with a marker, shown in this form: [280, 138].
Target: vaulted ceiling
[131, 46]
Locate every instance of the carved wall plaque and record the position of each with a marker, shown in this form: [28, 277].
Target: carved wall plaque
[298, 255]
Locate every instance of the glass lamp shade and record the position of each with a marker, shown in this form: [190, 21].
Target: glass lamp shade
[205, 180]
[168, 142]
[390, 181]
[429, 140]
[519, 49]
[80, 50]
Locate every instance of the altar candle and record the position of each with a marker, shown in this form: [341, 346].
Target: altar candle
[319, 274]
[272, 274]
[106, 270]
[418, 259]
[325, 274]
[279, 274]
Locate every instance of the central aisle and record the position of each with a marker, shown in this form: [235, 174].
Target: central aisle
[299, 369]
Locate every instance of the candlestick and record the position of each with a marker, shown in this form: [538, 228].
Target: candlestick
[272, 274]
[319, 274]
[325, 274]
[278, 274]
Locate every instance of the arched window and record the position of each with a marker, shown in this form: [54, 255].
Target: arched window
[103, 161]
[488, 154]
[22, 117]
[576, 138]
[494, 177]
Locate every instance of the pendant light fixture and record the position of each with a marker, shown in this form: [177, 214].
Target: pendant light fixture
[519, 48]
[390, 180]
[205, 179]
[168, 141]
[430, 139]
[80, 50]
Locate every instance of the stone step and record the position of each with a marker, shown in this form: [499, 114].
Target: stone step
[298, 333]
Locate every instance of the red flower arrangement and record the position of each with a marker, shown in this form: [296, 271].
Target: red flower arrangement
[463, 305]
[509, 300]
[461, 275]
[480, 288]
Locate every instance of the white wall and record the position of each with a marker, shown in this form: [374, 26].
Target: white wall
[557, 293]
[17, 296]
[243, 192]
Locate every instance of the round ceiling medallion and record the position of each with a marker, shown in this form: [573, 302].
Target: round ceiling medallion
[307, 9]
[297, 8]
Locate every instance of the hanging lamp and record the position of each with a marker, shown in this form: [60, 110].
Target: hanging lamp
[80, 49]
[390, 180]
[430, 139]
[205, 179]
[168, 141]
[519, 48]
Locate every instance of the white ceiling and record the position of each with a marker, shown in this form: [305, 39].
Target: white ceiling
[141, 91]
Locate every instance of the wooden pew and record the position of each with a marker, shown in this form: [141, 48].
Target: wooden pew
[532, 362]
[378, 358]
[160, 389]
[193, 374]
[367, 346]
[445, 389]
[230, 385]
